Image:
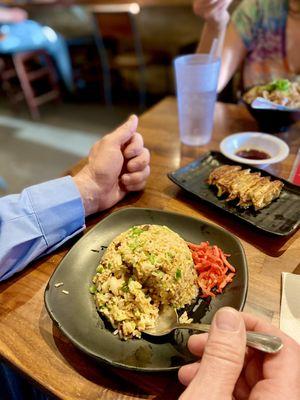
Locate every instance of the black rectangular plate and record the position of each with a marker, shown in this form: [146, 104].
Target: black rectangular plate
[281, 217]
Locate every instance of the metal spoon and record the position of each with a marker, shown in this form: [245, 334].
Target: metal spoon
[168, 321]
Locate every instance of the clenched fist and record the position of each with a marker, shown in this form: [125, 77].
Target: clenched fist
[117, 164]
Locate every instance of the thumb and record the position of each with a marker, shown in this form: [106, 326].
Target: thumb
[222, 360]
[124, 132]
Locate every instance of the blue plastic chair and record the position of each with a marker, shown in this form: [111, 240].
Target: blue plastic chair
[28, 36]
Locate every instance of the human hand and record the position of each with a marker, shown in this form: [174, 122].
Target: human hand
[213, 11]
[228, 368]
[117, 164]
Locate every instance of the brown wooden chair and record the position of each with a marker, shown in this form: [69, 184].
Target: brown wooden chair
[29, 76]
[117, 22]
[86, 66]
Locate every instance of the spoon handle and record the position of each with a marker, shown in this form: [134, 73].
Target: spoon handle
[260, 341]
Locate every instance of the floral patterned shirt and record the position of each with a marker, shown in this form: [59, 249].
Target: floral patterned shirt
[261, 25]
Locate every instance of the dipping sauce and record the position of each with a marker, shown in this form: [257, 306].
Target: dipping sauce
[253, 154]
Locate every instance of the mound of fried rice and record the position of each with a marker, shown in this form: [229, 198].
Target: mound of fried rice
[142, 269]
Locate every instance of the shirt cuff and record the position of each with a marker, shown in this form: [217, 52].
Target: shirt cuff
[58, 207]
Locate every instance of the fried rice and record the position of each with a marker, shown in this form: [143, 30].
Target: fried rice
[143, 269]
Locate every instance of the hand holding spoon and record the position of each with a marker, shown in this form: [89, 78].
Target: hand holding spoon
[168, 321]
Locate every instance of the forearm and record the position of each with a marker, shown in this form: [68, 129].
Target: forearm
[89, 192]
[210, 32]
[231, 49]
[36, 222]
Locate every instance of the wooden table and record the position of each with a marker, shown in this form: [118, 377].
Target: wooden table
[30, 342]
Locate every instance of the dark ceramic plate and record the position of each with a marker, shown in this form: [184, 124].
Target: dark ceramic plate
[76, 315]
[281, 217]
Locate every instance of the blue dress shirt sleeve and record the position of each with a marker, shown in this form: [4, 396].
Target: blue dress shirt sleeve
[37, 221]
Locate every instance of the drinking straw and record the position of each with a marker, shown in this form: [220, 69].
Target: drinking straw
[213, 49]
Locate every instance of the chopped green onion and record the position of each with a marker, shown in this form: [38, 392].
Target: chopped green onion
[279, 84]
[135, 231]
[178, 274]
[133, 246]
[99, 269]
[125, 287]
[93, 289]
[152, 259]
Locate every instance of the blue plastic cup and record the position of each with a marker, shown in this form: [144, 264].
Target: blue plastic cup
[196, 82]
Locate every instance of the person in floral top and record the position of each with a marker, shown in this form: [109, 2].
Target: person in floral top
[262, 36]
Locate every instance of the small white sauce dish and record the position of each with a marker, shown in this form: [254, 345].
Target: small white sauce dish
[277, 149]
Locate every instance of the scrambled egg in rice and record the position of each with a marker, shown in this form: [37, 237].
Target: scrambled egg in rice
[142, 269]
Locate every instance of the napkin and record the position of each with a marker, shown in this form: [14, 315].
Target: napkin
[290, 305]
